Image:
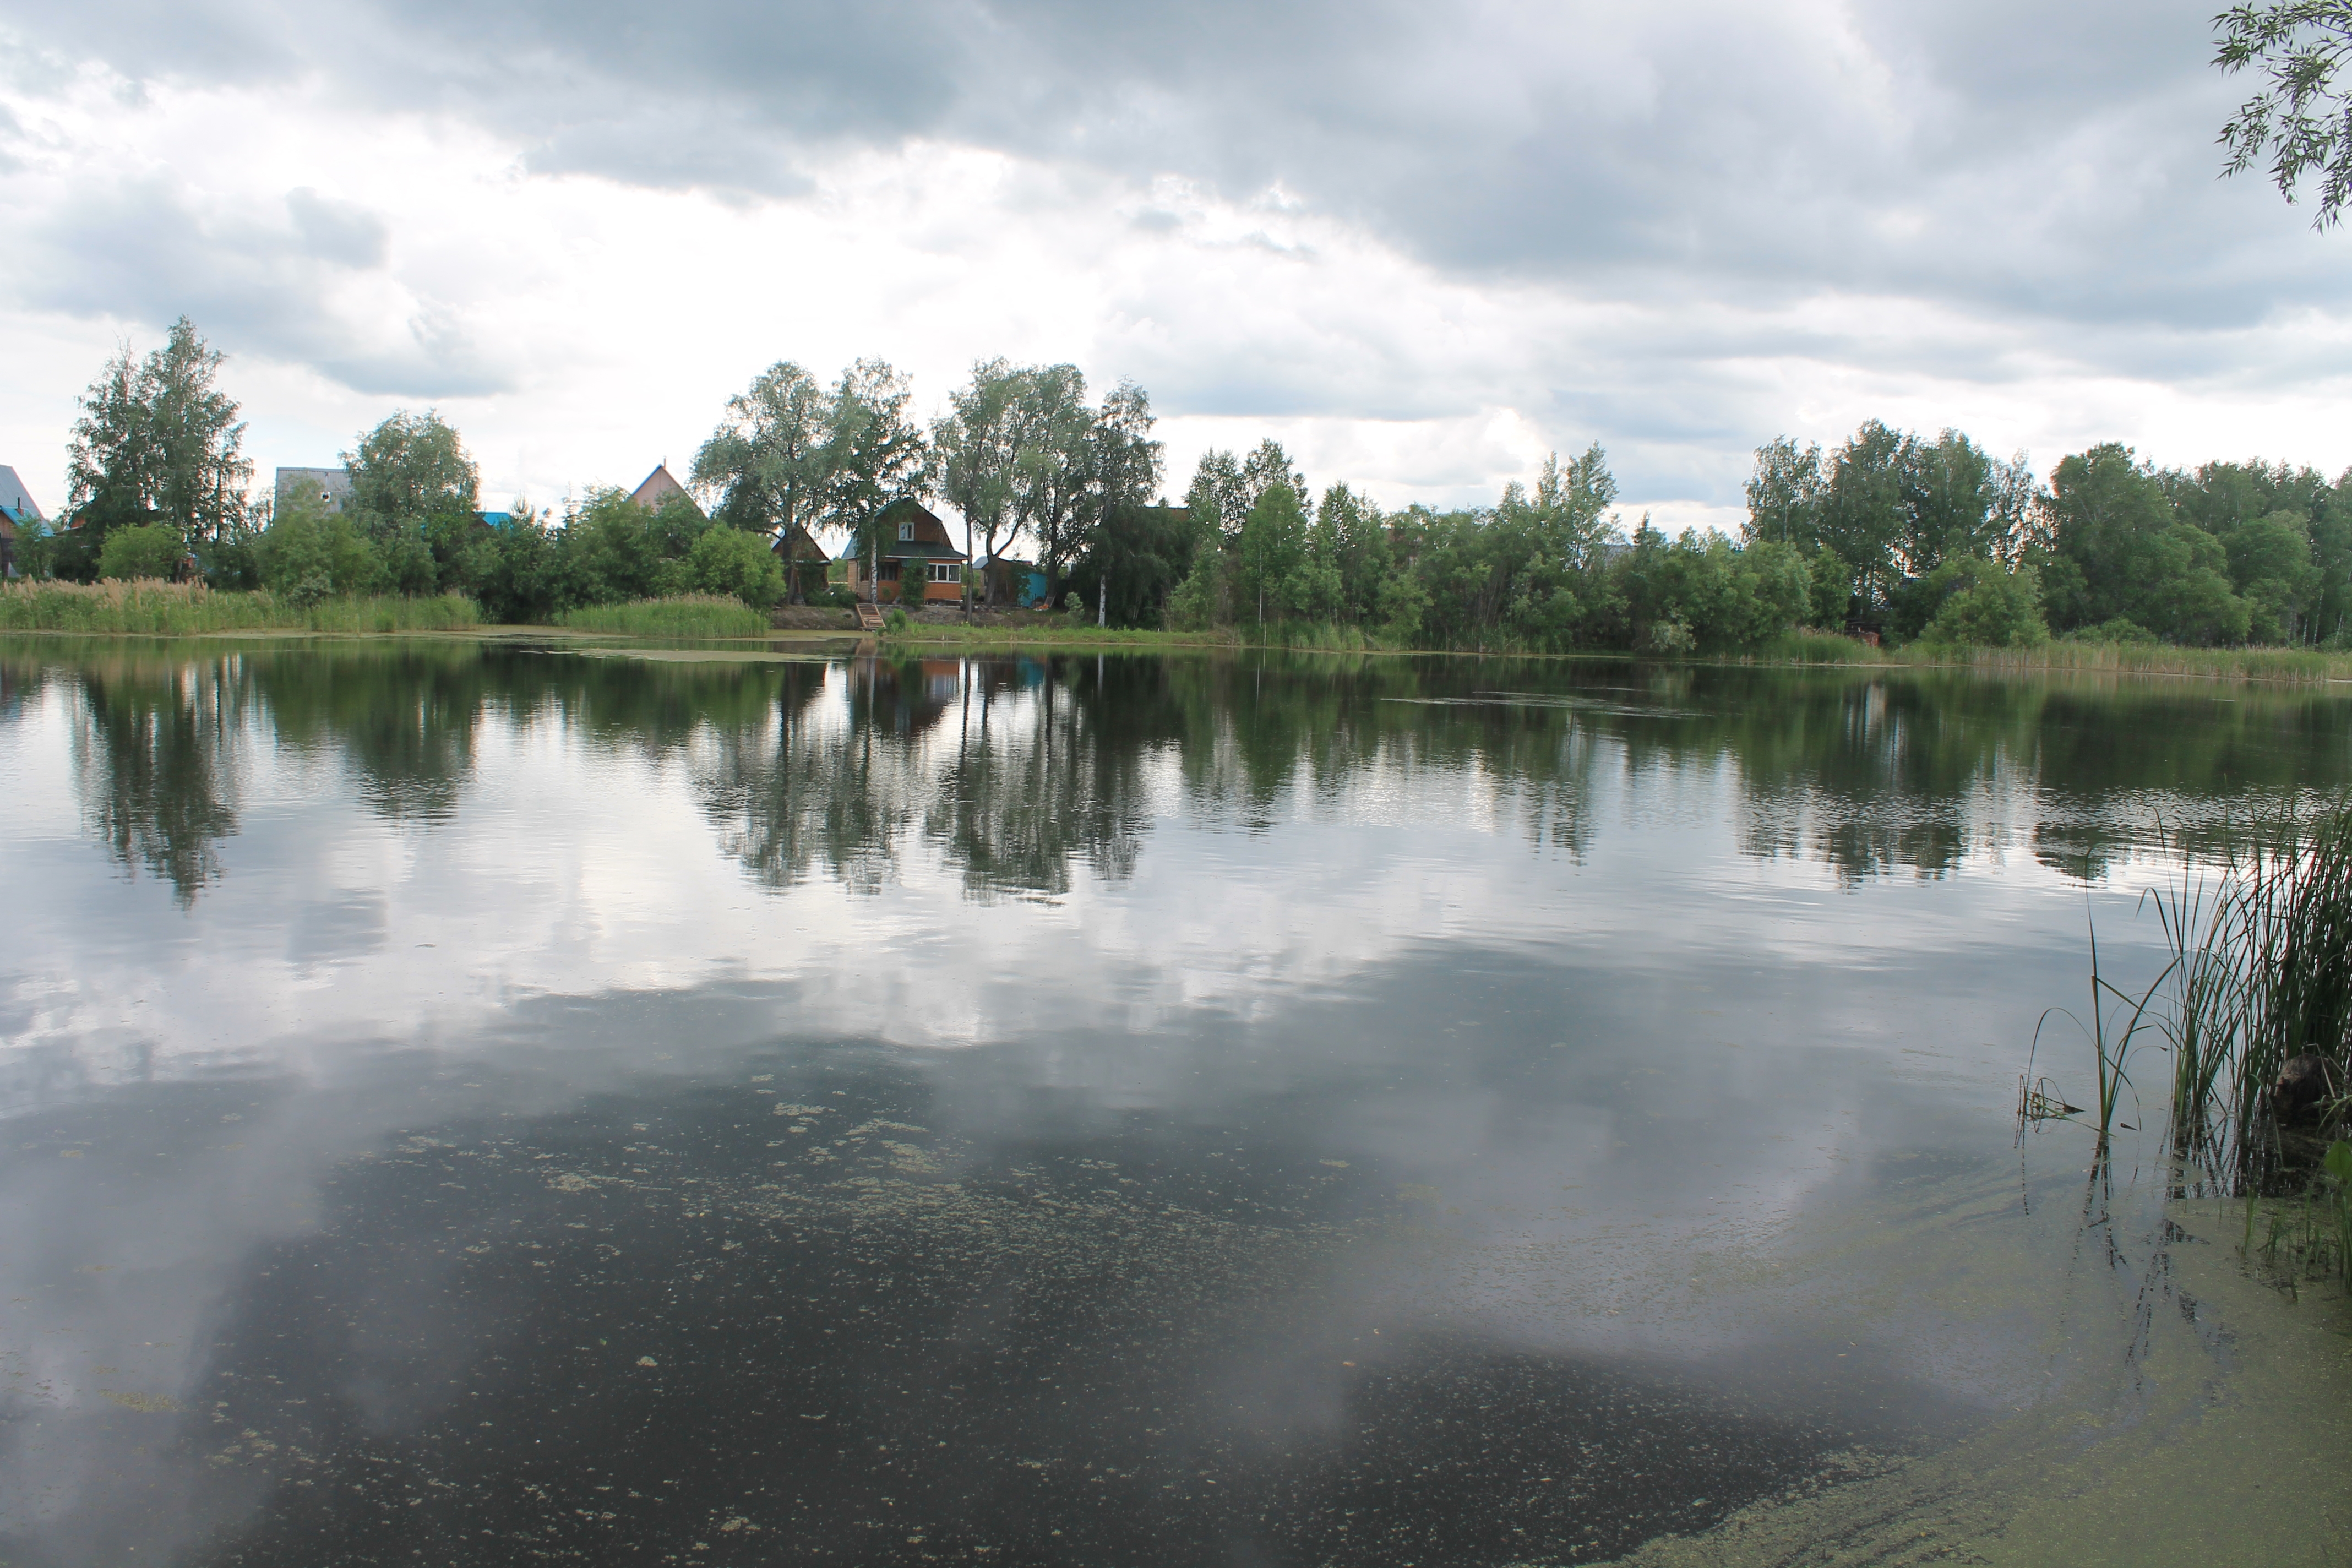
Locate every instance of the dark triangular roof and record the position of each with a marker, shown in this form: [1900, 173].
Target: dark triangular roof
[804, 546]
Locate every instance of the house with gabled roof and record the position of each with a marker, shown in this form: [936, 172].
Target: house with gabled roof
[658, 486]
[15, 506]
[912, 539]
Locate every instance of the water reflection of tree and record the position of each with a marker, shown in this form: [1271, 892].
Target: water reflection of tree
[1012, 772]
[153, 765]
[402, 719]
[788, 796]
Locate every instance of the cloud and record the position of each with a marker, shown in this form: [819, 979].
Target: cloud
[284, 283]
[1392, 230]
[1766, 148]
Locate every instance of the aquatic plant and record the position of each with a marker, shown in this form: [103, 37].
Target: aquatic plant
[2117, 1019]
[2260, 976]
[679, 615]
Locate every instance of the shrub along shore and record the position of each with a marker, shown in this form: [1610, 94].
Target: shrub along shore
[147, 608]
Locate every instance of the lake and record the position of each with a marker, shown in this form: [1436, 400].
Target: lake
[480, 1102]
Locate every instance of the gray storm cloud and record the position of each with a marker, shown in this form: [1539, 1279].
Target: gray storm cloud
[1900, 194]
[2034, 159]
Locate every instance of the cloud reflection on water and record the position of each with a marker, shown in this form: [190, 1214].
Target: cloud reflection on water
[1562, 1027]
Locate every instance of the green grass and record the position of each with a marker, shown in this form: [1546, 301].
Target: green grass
[685, 616]
[184, 609]
[1807, 647]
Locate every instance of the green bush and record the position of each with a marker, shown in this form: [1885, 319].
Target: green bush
[2119, 630]
[151, 552]
[1983, 605]
[730, 560]
[306, 556]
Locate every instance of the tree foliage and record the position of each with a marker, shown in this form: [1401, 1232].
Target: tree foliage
[2300, 123]
[159, 442]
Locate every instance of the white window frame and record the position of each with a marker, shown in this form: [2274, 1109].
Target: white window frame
[946, 571]
[906, 532]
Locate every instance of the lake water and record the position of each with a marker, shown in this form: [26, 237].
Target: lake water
[485, 1103]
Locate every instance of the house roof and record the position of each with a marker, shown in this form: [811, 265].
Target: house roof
[15, 499]
[920, 549]
[657, 488]
[804, 548]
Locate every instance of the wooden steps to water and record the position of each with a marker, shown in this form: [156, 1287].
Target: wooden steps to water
[869, 617]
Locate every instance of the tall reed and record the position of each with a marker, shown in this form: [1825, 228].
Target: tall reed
[2261, 973]
[182, 609]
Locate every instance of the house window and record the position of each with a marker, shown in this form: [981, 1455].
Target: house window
[945, 572]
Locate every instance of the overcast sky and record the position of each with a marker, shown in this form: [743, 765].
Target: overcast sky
[1421, 244]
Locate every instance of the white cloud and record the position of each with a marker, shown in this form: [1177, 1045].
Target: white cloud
[1420, 249]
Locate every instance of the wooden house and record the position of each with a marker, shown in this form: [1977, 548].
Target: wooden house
[800, 552]
[913, 540]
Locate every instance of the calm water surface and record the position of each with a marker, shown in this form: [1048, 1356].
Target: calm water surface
[476, 1104]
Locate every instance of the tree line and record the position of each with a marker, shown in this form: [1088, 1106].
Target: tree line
[1895, 533]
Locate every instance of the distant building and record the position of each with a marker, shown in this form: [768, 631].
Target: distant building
[329, 489]
[658, 486]
[1016, 583]
[16, 506]
[15, 501]
[913, 540]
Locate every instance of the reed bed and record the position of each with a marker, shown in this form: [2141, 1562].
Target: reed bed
[182, 609]
[2259, 980]
[2289, 666]
[679, 615]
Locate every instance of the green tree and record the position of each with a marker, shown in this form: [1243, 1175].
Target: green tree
[876, 454]
[1864, 514]
[1272, 548]
[152, 551]
[158, 442]
[1979, 603]
[2271, 566]
[1053, 431]
[415, 492]
[976, 456]
[1122, 470]
[1786, 492]
[307, 554]
[519, 571]
[732, 562]
[615, 551]
[410, 468]
[772, 457]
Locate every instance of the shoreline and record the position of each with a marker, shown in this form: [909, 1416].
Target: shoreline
[2261, 665]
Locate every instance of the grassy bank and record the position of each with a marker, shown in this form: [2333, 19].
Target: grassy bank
[2290, 665]
[685, 616]
[185, 609]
